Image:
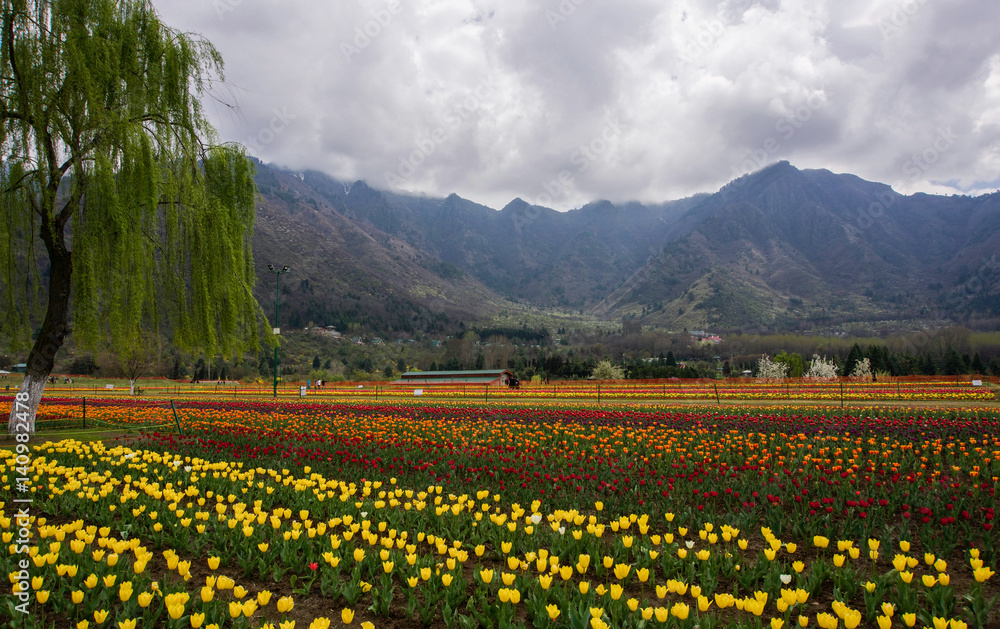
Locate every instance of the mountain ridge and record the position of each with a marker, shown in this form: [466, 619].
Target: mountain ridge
[779, 249]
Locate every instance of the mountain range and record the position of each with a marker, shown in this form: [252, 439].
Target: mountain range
[781, 249]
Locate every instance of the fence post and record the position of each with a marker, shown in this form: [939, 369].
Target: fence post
[84, 412]
[717, 400]
[598, 395]
[176, 421]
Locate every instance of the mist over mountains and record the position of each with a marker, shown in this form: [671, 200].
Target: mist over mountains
[781, 249]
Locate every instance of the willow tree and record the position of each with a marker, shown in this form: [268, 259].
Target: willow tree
[120, 213]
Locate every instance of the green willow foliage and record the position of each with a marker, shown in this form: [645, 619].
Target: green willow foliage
[109, 173]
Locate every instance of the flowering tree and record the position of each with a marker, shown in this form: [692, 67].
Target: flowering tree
[771, 370]
[604, 370]
[821, 368]
[862, 370]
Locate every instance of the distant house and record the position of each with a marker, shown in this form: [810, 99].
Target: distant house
[357, 340]
[19, 368]
[482, 377]
[376, 341]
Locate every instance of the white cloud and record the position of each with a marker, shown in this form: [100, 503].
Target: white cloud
[698, 91]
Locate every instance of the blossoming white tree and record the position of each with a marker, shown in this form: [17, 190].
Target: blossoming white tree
[862, 370]
[771, 370]
[821, 369]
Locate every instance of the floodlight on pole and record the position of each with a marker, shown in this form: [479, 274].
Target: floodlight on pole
[277, 329]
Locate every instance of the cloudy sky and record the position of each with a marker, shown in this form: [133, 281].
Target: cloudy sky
[561, 102]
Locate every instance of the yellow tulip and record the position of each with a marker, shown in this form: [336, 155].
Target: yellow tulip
[553, 611]
[213, 563]
[285, 604]
[776, 623]
[884, 622]
[852, 619]
[616, 591]
[197, 620]
[680, 610]
[347, 615]
[487, 575]
[910, 619]
[100, 616]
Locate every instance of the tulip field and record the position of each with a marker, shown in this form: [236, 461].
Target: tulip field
[251, 514]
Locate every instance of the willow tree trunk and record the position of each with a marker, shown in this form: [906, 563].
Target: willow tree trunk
[53, 332]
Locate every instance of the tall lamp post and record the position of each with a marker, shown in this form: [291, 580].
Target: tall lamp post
[277, 330]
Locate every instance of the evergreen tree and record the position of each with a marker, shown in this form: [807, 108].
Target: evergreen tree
[995, 366]
[977, 365]
[928, 367]
[952, 364]
[102, 136]
[671, 361]
[316, 362]
[852, 359]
